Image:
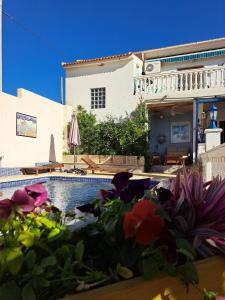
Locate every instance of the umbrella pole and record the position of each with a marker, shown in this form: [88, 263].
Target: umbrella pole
[74, 149]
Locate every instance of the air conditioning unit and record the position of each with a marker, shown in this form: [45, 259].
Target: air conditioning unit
[152, 67]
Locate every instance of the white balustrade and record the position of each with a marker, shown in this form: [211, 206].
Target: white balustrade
[180, 81]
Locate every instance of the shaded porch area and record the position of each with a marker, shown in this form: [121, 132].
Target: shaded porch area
[171, 133]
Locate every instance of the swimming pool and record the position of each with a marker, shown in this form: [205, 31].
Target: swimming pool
[65, 192]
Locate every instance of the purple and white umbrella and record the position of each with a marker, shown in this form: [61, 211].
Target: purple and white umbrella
[74, 136]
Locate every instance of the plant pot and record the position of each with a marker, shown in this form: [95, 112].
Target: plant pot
[163, 287]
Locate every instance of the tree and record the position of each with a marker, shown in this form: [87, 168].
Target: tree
[87, 126]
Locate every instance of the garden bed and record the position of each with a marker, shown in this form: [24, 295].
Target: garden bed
[163, 287]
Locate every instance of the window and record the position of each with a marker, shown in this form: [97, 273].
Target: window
[98, 98]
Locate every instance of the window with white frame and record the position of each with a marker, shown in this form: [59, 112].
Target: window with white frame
[98, 98]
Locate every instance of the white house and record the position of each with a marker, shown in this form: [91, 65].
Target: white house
[103, 85]
[178, 85]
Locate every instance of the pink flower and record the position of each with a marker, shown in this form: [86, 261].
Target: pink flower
[23, 200]
[38, 192]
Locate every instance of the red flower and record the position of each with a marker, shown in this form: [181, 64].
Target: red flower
[142, 222]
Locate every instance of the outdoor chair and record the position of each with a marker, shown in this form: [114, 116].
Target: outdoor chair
[100, 168]
[176, 155]
[42, 169]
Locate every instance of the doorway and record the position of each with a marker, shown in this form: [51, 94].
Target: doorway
[222, 125]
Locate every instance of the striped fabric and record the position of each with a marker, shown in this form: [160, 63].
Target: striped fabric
[200, 55]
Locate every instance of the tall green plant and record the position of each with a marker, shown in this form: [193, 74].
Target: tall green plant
[124, 136]
[87, 125]
[108, 133]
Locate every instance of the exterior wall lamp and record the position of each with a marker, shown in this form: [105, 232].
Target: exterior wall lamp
[213, 112]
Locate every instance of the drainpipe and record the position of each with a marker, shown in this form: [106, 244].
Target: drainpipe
[143, 65]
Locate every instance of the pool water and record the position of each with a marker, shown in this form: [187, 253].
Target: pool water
[67, 195]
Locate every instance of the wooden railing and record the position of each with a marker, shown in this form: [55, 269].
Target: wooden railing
[180, 81]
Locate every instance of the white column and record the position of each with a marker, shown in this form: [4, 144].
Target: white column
[212, 138]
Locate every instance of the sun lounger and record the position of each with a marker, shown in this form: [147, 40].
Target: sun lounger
[42, 169]
[100, 168]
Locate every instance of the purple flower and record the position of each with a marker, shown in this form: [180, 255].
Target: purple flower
[5, 208]
[23, 200]
[126, 189]
[38, 192]
[120, 180]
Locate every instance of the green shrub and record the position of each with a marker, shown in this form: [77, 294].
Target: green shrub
[124, 136]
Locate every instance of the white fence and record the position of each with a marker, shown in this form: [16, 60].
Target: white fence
[180, 81]
[213, 162]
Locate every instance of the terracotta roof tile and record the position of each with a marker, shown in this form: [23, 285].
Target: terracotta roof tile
[100, 59]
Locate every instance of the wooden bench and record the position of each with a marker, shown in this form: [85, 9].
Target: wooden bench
[176, 155]
[41, 169]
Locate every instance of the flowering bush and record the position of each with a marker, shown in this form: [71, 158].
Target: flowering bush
[138, 231]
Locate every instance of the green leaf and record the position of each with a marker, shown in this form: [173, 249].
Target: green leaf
[170, 269]
[184, 244]
[45, 221]
[10, 291]
[208, 295]
[14, 260]
[48, 261]
[163, 214]
[79, 251]
[30, 259]
[149, 268]
[54, 234]
[124, 272]
[188, 273]
[37, 270]
[43, 282]
[186, 253]
[28, 292]
[64, 251]
[110, 225]
[185, 248]
[26, 238]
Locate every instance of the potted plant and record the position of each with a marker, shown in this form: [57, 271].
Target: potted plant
[165, 230]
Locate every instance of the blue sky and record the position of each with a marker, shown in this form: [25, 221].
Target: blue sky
[87, 29]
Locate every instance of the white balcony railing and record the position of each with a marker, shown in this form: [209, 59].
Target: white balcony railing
[180, 82]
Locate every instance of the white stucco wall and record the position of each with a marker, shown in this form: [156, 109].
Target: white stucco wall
[18, 151]
[115, 76]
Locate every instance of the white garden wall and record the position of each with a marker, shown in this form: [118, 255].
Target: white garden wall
[52, 117]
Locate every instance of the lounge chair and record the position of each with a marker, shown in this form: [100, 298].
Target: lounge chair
[42, 169]
[100, 168]
[176, 155]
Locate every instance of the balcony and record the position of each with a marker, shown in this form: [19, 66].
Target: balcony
[188, 83]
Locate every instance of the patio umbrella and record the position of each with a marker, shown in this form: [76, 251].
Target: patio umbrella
[74, 136]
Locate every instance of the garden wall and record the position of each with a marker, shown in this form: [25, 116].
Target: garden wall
[111, 160]
[19, 151]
